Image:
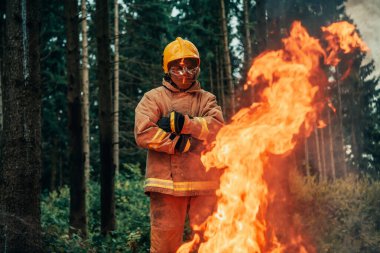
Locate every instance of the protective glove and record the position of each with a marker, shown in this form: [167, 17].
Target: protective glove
[183, 144]
[164, 124]
[173, 123]
[176, 122]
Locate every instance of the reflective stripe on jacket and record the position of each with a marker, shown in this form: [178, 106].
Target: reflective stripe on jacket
[170, 172]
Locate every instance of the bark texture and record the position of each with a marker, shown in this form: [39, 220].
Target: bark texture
[342, 160]
[227, 61]
[107, 174]
[85, 95]
[331, 145]
[247, 31]
[261, 26]
[78, 219]
[116, 91]
[2, 40]
[20, 174]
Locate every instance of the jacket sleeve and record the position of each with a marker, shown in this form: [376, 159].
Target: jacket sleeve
[207, 125]
[147, 133]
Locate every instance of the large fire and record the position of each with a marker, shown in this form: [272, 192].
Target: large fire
[290, 80]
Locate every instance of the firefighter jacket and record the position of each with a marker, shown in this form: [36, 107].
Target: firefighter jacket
[167, 170]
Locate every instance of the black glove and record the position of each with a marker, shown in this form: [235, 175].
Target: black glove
[176, 121]
[173, 123]
[183, 144]
[164, 123]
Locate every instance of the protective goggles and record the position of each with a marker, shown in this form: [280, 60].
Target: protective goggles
[184, 66]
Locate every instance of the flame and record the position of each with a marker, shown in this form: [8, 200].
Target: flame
[341, 36]
[321, 124]
[332, 107]
[290, 80]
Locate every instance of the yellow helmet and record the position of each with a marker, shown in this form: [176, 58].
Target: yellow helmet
[179, 49]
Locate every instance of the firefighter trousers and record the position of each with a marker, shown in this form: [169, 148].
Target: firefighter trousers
[167, 219]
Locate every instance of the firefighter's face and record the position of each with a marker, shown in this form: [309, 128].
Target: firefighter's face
[184, 72]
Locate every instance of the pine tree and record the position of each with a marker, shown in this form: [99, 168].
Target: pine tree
[361, 123]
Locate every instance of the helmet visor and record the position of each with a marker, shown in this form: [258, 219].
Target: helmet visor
[184, 66]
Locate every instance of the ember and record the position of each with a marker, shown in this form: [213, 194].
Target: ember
[287, 108]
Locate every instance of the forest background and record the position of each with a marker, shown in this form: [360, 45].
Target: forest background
[74, 72]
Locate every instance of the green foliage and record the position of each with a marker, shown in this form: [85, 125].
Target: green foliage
[132, 209]
[341, 216]
[54, 86]
[360, 98]
[145, 29]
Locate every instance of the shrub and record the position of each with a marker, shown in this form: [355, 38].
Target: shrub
[132, 209]
[342, 216]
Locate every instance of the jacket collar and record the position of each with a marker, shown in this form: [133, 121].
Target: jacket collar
[195, 88]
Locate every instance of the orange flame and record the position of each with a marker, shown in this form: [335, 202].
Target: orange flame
[341, 36]
[291, 79]
[332, 107]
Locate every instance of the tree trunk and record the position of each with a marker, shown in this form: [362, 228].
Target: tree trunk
[307, 160]
[323, 154]
[20, 173]
[107, 175]
[78, 219]
[261, 26]
[210, 76]
[1, 98]
[54, 165]
[60, 167]
[2, 39]
[274, 21]
[331, 144]
[85, 95]
[355, 151]
[221, 87]
[227, 62]
[247, 48]
[116, 92]
[340, 120]
[247, 32]
[217, 67]
[318, 153]
[356, 118]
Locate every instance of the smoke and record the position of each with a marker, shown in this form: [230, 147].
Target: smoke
[366, 15]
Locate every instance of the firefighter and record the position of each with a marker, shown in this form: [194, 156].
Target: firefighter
[174, 122]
